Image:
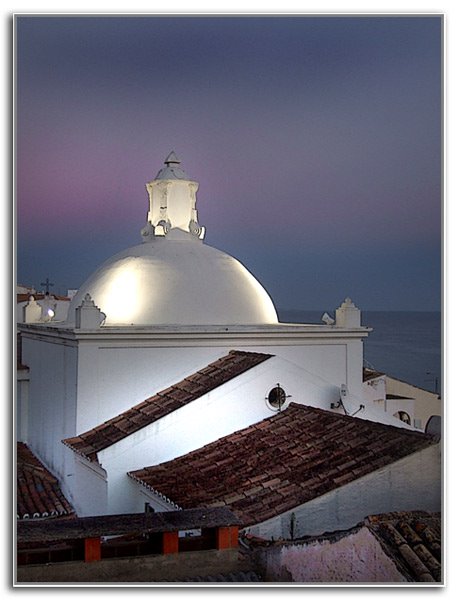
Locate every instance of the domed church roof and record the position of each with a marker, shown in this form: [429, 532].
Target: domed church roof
[173, 278]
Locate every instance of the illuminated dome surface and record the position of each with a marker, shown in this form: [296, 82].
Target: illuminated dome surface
[173, 278]
[177, 280]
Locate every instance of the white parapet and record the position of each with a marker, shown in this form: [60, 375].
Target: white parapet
[88, 315]
[32, 311]
[348, 315]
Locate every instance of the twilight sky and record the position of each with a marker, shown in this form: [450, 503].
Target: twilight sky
[316, 142]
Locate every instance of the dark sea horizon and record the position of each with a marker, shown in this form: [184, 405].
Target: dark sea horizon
[406, 345]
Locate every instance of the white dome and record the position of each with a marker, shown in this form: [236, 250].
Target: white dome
[176, 280]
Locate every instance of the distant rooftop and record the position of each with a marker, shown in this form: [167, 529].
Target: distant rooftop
[369, 374]
[412, 540]
[38, 491]
[39, 296]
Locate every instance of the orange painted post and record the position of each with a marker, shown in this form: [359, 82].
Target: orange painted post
[227, 537]
[234, 537]
[222, 538]
[92, 549]
[170, 542]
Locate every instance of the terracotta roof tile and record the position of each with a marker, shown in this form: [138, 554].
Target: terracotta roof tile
[134, 524]
[39, 296]
[369, 374]
[164, 402]
[277, 471]
[38, 491]
[412, 540]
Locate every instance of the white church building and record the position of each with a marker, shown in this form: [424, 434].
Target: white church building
[173, 345]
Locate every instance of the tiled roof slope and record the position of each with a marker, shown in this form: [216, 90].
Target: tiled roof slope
[38, 491]
[412, 540]
[39, 296]
[124, 524]
[281, 462]
[203, 381]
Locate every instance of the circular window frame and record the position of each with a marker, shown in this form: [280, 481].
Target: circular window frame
[280, 392]
[401, 414]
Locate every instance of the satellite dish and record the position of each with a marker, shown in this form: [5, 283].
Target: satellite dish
[327, 319]
[434, 425]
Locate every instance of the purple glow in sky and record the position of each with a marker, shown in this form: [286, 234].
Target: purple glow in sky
[316, 141]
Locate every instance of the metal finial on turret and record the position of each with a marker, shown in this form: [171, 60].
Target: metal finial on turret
[172, 159]
[172, 169]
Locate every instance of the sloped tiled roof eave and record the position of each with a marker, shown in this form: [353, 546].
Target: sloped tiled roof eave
[192, 387]
[38, 494]
[281, 462]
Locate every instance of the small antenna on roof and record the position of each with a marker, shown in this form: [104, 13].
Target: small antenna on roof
[47, 284]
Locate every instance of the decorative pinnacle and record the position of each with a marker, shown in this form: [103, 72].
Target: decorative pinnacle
[172, 159]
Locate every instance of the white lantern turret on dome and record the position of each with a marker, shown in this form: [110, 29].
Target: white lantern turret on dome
[172, 197]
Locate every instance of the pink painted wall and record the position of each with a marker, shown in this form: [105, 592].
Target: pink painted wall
[357, 557]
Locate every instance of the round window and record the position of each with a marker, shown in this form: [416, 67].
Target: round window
[403, 416]
[276, 397]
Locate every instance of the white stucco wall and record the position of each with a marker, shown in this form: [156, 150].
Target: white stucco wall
[117, 371]
[21, 413]
[426, 403]
[140, 495]
[52, 399]
[86, 487]
[115, 377]
[375, 389]
[413, 483]
[412, 400]
[112, 379]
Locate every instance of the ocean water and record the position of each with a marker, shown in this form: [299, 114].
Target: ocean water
[405, 345]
